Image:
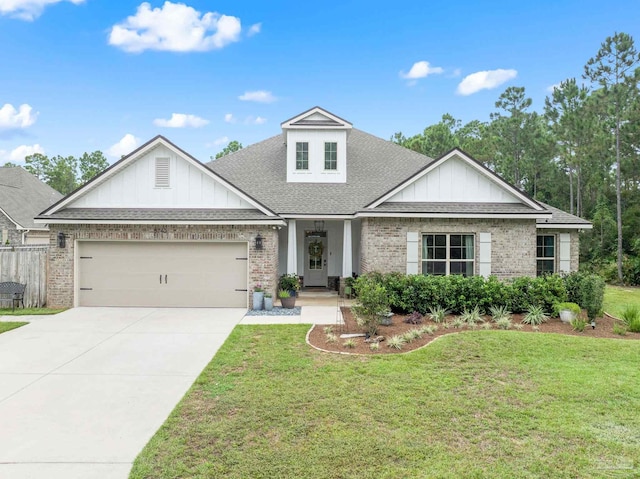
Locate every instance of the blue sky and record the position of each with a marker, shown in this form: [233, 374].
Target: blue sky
[85, 75]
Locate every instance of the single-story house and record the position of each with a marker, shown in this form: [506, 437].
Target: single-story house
[22, 197]
[322, 200]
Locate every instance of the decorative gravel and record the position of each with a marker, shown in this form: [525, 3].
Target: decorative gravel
[276, 311]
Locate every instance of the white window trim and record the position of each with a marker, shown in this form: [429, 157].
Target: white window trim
[548, 258]
[330, 170]
[448, 260]
[296, 158]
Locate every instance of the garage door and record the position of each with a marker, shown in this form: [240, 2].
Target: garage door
[162, 274]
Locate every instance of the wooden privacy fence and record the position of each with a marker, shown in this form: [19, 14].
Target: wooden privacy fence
[26, 265]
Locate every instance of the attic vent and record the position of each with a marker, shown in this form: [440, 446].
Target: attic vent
[162, 173]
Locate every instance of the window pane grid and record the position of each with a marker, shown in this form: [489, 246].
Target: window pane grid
[444, 254]
[302, 155]
[545, 254]
[331, 156]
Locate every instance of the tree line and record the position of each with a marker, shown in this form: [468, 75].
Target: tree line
[580, 153]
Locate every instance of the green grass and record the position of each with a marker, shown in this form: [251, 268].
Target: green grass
[29, 311]
[476, 404]
[617, 297]
[9, 325]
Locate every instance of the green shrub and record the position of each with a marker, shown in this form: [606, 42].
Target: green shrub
[396, 342]
[373, 301]
[631, 318]
[578, 324]
[543, 291]
[619, 329]
[587, 290]
[535, 316]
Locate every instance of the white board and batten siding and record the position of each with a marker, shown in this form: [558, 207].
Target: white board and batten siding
[316, 172]
[135, 187]
[454, 181]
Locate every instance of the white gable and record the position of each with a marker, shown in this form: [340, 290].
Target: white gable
[135, 186]
[455, 181]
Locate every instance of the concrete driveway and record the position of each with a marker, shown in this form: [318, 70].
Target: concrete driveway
[82, 392]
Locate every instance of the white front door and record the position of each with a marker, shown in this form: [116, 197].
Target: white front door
[315, 260]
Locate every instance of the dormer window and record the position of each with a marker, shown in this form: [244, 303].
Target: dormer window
[330, 155]
[302, 155]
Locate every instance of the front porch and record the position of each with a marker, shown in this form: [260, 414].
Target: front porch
[321, 251]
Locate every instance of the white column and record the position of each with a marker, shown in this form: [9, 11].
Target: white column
[292, 248]
[347, 250]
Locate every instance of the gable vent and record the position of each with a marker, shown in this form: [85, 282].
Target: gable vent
[162, 173]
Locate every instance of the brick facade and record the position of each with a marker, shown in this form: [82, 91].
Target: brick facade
[263, 264]
[9, 232]
[513, 243]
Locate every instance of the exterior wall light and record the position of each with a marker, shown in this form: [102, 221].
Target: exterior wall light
[62, 240]
[259, 242]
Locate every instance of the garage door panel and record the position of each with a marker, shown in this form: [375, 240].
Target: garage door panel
[162, 274]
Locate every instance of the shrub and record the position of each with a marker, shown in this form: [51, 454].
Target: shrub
[374, 346]
[396, 342]
[543, 291]
[578, 324]
[518, 326]
[499, 312]
[587, 290]
[535, 316]
[620, 329]
[503, 323]
[488, 326]
[458, 323]
[332, 338]
[414, 318]
[472, 316]
[289, 282]
[349, 343]
[437, 313]
[373, 301]
[631, 318]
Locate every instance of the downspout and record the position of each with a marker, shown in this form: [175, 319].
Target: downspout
[24, 232]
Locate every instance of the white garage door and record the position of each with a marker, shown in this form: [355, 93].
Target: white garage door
[162, 274]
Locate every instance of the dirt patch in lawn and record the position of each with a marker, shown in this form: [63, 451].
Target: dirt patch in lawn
[318, 338]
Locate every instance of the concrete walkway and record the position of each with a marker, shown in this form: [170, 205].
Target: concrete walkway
[82, 392]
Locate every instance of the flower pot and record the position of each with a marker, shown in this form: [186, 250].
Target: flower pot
[288, 303]
[258, 297]
[268, 303]
[566, 315]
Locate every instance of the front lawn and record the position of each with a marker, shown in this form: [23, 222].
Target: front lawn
[617, 297]
[29, 311]
[475, 404]
[9, 325]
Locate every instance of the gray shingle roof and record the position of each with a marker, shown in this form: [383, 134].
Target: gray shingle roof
[562, 217]
[374, 166]
[23, 196]
[445, 207]
[153, 214]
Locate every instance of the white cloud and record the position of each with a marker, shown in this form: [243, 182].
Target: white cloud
[456, 73]
[484, 80]
[223, 140]
[254, 120]
[174, 27]
[550, 88]
[12, 119]
[28, 9]
[181, 120]
[420, 70]
[260, 96]
[229, 118]
[18, 154]
[254, 29]
[126, 145]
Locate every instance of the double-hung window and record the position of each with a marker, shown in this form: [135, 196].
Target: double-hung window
[545, 254]
[330, 156]
[302, 155]
[444, 254]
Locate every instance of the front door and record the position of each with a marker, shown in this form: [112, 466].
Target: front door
[315, 259]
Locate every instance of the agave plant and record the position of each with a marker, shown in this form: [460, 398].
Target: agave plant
[499, 312]
[437, 313]
[396, 342]
[472, 316]
[535, 316]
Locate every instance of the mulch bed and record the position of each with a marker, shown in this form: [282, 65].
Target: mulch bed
[318, 338]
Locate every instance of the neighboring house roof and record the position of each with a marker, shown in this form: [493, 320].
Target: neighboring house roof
[374, 166]
[23, 196]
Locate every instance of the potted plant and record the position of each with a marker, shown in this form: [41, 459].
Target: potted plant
[289, 282]
[288, 301]
[268, 301]
[567, 311]
[258, 296]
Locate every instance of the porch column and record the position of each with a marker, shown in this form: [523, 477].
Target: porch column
[347, 250]
[292, 248]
